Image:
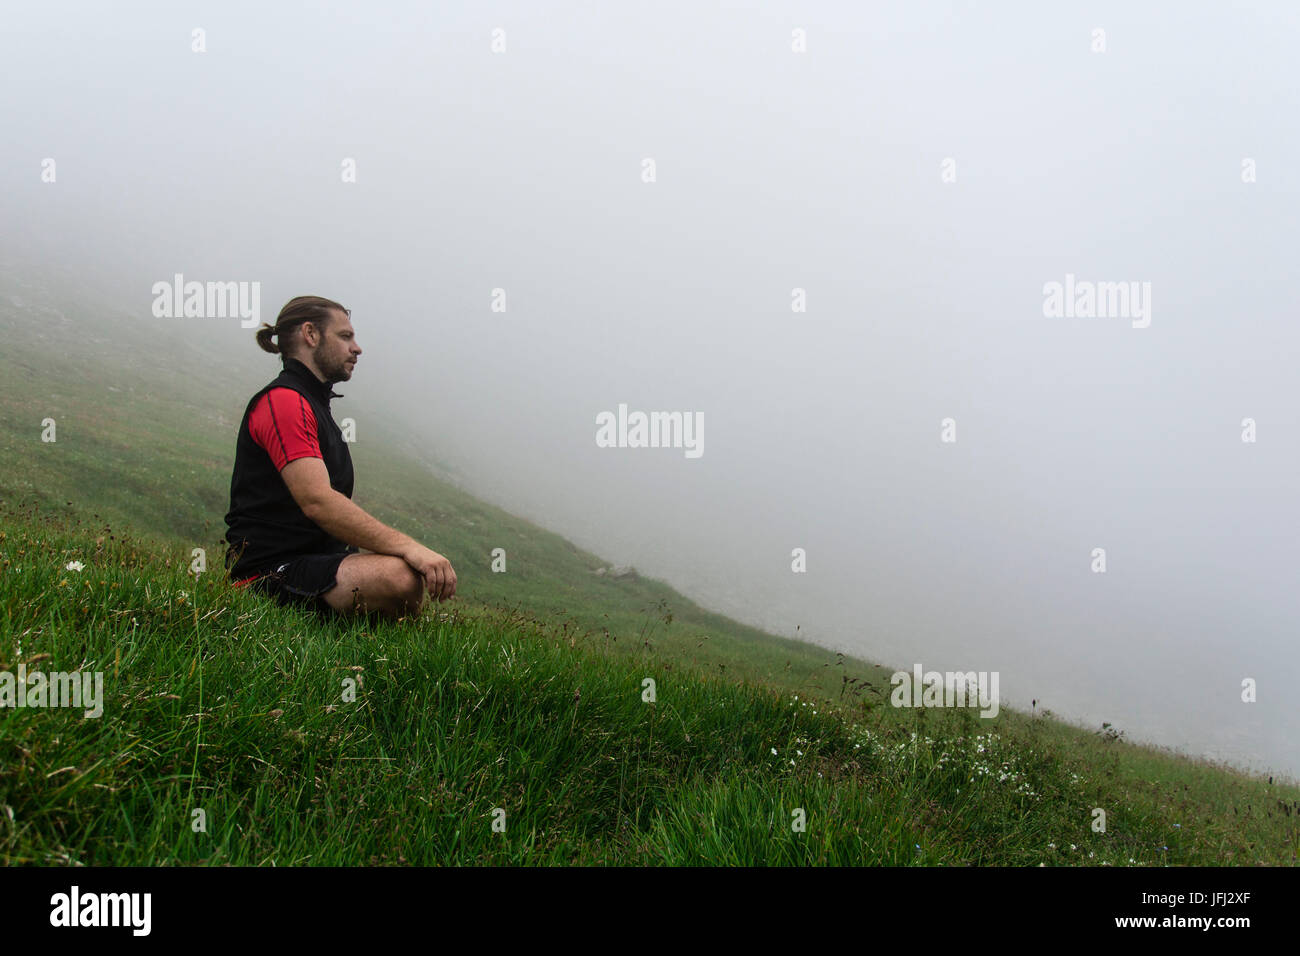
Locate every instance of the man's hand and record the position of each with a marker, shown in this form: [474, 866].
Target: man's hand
[439, 578]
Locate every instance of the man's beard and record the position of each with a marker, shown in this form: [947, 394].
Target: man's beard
[333, 372]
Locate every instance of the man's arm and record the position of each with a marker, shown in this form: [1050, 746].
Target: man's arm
[308, 481]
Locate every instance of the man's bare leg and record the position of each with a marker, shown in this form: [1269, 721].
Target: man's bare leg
[376, 584]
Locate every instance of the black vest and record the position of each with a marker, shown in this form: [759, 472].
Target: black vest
[265, 525]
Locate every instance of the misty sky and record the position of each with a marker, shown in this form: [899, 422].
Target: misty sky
[824, 171]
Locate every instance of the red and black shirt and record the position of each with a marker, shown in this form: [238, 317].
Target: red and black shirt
[288, 419]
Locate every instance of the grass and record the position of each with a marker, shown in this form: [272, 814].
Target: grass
[217, 700]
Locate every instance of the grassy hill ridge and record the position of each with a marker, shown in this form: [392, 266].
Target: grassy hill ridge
[230, 734]
[138, 478]
[149, 440]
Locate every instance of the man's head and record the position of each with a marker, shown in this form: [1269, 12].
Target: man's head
[317, 332]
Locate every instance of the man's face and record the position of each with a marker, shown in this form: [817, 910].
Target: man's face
[335, 355]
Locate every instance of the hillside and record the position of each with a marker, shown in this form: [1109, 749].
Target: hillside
[526, 695]
[148, 438]
[216, 701]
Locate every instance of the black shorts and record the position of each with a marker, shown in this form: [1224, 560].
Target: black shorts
[302, 580]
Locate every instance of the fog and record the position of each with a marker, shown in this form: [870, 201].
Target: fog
[920, 171]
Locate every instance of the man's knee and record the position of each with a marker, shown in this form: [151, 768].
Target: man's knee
[407, 586]
[377, 584]
[399, 589]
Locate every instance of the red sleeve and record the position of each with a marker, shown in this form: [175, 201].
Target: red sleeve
[283, 423]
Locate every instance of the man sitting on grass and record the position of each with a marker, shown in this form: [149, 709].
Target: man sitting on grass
[294, 532]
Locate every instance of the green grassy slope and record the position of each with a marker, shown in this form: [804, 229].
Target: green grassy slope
[220, 702]
[150, 441]
[464, 712]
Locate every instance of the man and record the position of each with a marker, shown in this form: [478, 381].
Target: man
[294, 532]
